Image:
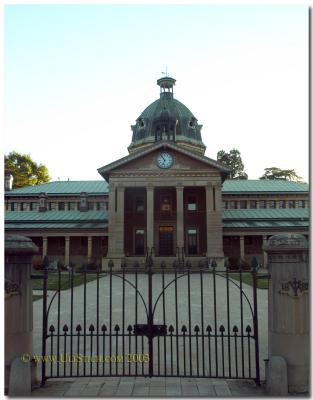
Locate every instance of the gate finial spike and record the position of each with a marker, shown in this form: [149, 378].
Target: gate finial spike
[214, 265]
[103, 328]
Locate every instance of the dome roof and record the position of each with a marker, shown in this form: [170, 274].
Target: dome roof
[167, 119]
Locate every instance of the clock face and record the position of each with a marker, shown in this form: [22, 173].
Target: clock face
[164, 160]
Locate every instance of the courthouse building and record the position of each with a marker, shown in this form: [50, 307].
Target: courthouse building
[165, 199]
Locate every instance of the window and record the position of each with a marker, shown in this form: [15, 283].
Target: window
[233, 204]
[139, 242]
[84, 241]
[52, 206]
[242, 204]
[166, 203]
[100, 205]
[281, 204]
[192, 203]
[225, 205]
[192, 241]
[33, 206]
[262, 204]
[252, 203]
[61, 206]
[90, 205]
[291, 203]
[301, 203]
[272, 204]
[24, 206]
[139, 204]
[72, 206]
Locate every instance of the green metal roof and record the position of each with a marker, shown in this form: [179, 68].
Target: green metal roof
[266, 224]
[267, 213]
[262, 185]
[56, 220]
[64, 216]
[266, 218]
[55, 225]
[63, 188]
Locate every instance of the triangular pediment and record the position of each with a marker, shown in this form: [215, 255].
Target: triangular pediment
[146, 160]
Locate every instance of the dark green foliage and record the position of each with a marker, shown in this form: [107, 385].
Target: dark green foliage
[277, 173]
[234, 162]
[25, 170]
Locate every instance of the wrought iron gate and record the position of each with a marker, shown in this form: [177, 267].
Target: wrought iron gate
[178, 322]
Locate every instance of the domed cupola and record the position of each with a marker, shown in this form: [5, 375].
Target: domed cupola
[167, 119]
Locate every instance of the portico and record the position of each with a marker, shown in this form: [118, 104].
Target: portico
[164, 214]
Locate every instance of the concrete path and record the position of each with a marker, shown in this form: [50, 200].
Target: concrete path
[149, 387]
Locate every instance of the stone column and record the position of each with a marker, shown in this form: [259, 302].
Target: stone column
[288, 311]
[214, 223]
[150, 217]
[265, 258]
[242, 247]
[67, 251]
[116, 222]
[19, 251]
[44, 246]
[180, 216]
[89, 249]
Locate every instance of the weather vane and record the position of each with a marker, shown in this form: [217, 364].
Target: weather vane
[166, 72]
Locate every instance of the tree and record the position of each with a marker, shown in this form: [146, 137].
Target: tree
[234, 161]
[277, 173]
[25, 170]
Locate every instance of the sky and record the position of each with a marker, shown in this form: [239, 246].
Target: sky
[76, 77]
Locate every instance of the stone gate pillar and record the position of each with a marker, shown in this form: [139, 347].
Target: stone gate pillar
[19, 252]
[288, 313]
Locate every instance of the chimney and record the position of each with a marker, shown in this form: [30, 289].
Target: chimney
[8, 182]
[43, 202]
[83, 202]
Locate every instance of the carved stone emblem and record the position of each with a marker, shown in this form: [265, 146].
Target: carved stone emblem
[11, 287]
[294, 288]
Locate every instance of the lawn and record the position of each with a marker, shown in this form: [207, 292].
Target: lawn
[53, 281]
[36, 297]
[247, 278]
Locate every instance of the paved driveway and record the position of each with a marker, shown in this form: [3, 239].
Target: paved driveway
[171, 355]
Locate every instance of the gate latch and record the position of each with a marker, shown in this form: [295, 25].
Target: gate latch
[156, 330]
